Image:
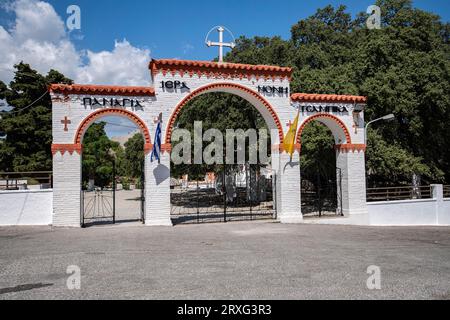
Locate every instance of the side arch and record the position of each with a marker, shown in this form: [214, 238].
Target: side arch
[259, 102]
[337, 127]
[84, 125]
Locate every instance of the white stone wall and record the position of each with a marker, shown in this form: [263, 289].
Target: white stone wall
[353, 183]
[405, 212]
[435, 211]
[26, 207]
[157, 191]
[67, 190]
[288, 189]
[444, 213]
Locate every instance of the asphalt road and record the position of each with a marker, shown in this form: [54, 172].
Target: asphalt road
[254, 260]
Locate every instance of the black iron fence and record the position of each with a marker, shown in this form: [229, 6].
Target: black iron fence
[26, 180]
[447, 191]
[399, 193]
[252, 198]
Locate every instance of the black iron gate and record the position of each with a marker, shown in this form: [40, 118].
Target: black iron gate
[238, 193]
[98, 206]
[321, 195]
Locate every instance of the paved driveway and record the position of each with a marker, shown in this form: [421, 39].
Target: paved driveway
[255, 260]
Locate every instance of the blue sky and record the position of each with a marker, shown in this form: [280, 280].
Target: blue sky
[118, 38]
[177, 29]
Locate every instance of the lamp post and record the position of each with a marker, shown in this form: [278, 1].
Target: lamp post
[388, 117]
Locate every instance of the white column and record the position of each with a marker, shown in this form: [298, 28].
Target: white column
[352, 165]
[67, 190]
[157, 191]
[442, 217]
[288, 188]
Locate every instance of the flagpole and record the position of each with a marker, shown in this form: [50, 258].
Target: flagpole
[292, 154]
[295, 140]
[159, 124]
[156, 152]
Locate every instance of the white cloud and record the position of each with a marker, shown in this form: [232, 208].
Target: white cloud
[37, 21]
[126, 64]
[39, 37]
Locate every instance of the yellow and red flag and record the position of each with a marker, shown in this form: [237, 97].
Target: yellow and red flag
[289, 140]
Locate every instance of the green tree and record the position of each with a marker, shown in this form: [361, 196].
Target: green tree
[97, 160]
[318, 156]
[134, 155]
[219, 111]
[403, 68]
[28, 130]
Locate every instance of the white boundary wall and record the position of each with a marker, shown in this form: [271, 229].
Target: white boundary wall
[434, 211]
[35, 207]
[26, 207]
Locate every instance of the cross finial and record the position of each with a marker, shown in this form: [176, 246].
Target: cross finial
[220, 44]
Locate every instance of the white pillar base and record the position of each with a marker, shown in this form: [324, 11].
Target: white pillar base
[159, 222]
[291, 219]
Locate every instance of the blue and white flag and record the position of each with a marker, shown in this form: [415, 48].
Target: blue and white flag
[156, 152]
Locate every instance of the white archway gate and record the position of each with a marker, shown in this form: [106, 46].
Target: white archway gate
[175, 82]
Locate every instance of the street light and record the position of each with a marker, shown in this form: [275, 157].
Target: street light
[388, 117]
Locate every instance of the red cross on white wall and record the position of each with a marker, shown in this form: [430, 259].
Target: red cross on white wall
[65, 122]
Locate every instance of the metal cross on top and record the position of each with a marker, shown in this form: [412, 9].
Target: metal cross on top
[220, 44]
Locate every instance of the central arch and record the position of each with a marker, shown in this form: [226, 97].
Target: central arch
[259, 102]
[84, 125]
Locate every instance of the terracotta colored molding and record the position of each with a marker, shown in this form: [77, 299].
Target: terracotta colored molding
[349, 147]
[167, 147]
[277, 148]
[101, 90]
[312, 97]
[202, 90]
[215, 69]
[63, 148]
[326, 116]
[84, 125]
[148, 148]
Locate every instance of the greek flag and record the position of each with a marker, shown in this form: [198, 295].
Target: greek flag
[157, 146]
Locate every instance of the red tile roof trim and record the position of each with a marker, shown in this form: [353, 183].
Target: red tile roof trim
[101, 90]
[312, 97]
[215, 70]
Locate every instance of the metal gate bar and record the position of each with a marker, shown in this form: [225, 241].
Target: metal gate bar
[225, 201]
[321, 195]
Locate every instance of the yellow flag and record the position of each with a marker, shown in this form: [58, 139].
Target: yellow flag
[289, 140]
